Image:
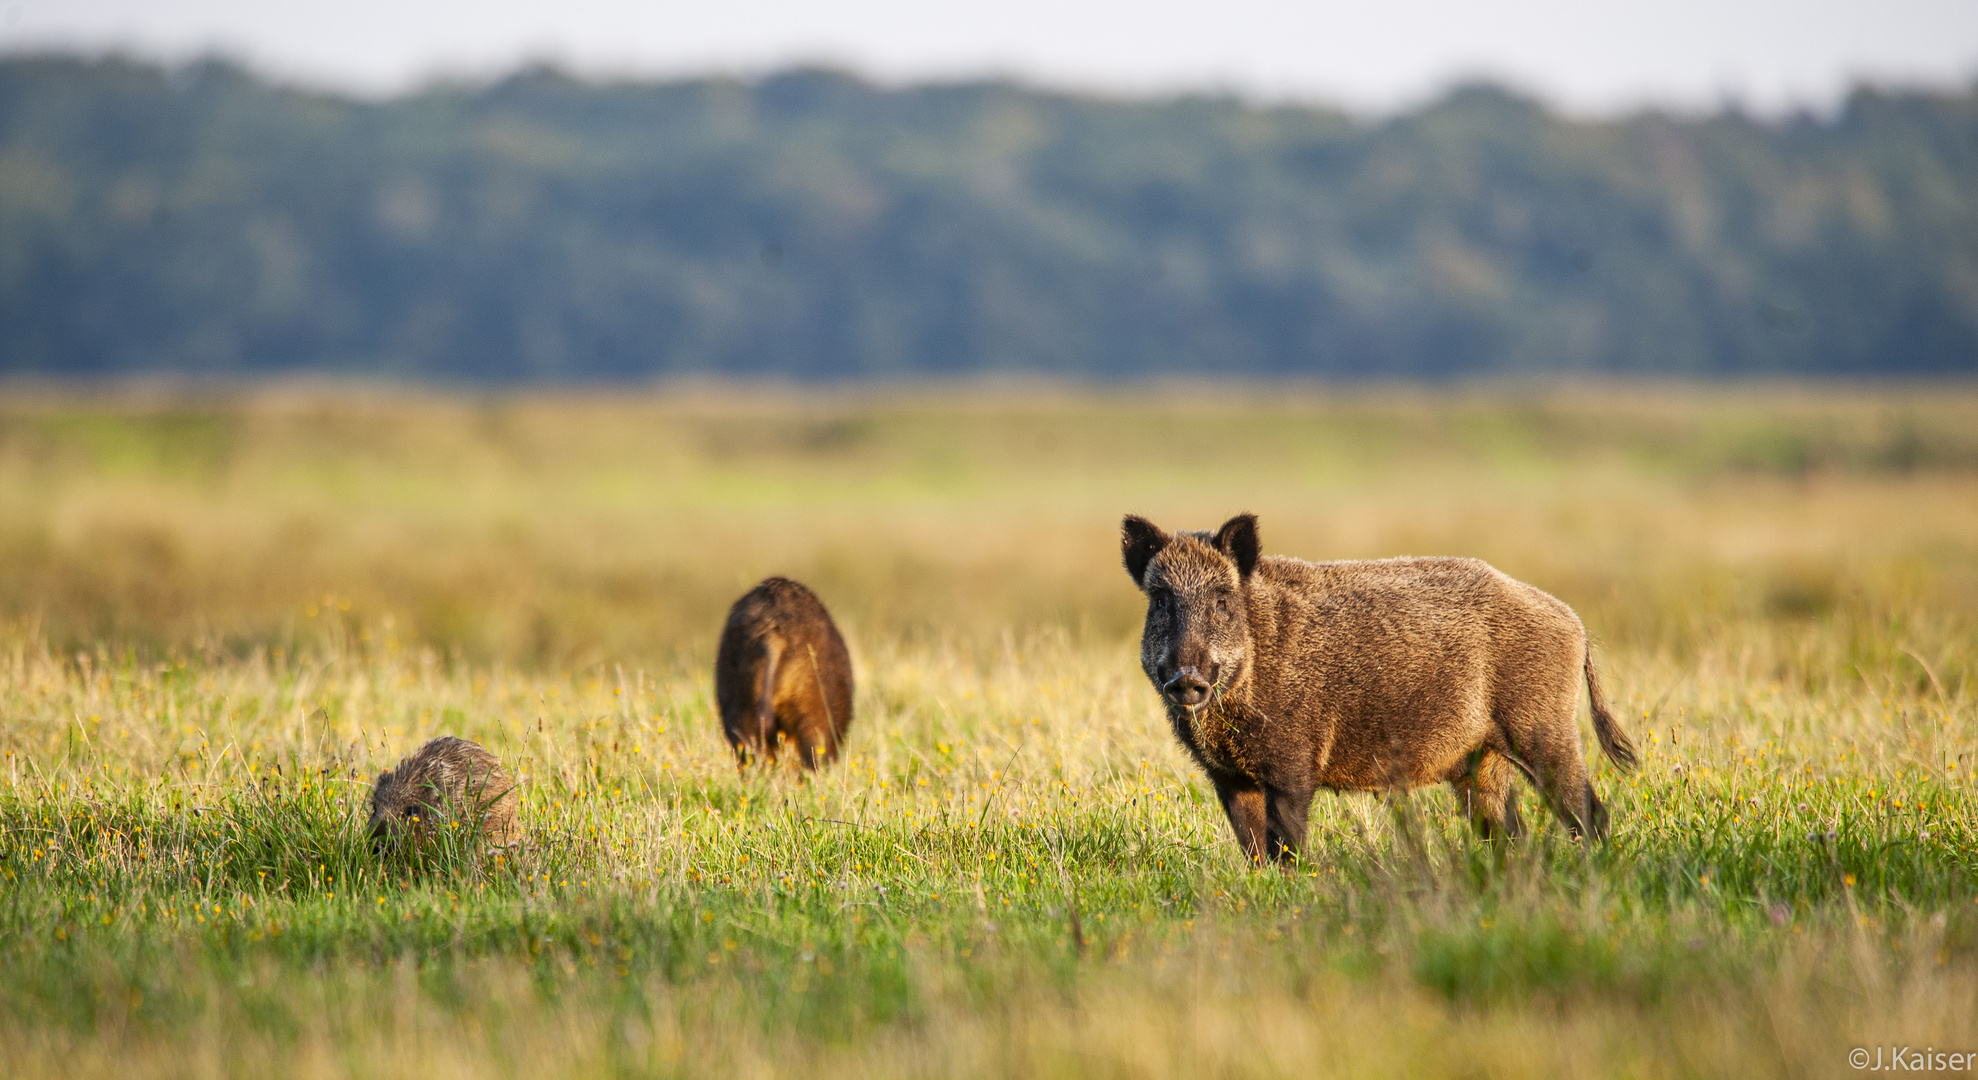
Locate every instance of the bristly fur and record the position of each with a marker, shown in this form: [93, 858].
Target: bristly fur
[447, 780]
[1282, 676]
[783, 674]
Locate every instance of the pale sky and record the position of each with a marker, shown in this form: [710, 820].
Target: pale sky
[1586, 56]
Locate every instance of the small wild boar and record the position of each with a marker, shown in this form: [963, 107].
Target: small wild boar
[1282, 676]
[782, 672]
[445, 783]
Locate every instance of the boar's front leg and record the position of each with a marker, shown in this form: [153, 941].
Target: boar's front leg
[1249, 814]
[1287, 822]
[1270, 824]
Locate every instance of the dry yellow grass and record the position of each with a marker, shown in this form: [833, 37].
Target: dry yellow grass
[224, 616]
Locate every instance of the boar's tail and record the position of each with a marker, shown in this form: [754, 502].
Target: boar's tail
[1613, 741]
[765, 710]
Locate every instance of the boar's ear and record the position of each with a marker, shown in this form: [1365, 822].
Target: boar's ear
[1140, 540]
[1238, 540]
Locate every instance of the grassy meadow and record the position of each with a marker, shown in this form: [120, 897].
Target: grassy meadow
[221, 615]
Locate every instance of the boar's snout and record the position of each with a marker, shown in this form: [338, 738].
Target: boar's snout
[1188, 688]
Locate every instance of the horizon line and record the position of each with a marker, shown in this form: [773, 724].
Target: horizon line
[439, 78]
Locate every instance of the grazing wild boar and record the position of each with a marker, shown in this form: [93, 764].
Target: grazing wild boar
[446, 781]
[783, 673]
[1282, 676]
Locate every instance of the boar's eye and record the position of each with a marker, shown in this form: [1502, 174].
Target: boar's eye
[1222, 605]
[1162, 599]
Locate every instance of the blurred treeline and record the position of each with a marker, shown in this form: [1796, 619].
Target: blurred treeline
[807, 224]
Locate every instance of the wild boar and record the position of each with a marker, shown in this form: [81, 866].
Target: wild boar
[782, 672]
[448, 782]
[1282, 676]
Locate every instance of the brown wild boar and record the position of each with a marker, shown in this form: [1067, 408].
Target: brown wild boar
[450, 782]
[782, 672]
[1282, 676]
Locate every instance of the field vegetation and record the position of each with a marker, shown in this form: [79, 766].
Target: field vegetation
[222, 615]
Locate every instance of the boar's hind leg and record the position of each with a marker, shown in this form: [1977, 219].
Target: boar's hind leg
[816, 746]
[1249, 815]
[1541, 736]
[1561, 774]
[1487, 795]
[1580, 809]
[1570, 792]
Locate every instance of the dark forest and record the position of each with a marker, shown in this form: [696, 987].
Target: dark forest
[201, 220]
